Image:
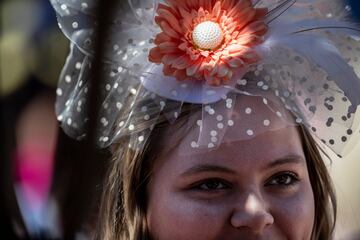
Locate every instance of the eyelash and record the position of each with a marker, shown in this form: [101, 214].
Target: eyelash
[201, 186]
[293, 177]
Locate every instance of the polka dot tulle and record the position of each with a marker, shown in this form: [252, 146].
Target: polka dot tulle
[295, 85]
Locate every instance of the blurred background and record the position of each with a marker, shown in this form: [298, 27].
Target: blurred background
[44, 188]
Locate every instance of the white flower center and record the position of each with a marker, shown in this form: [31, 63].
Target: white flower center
[207, 35]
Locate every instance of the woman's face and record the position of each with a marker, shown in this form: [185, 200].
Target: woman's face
[250, 189]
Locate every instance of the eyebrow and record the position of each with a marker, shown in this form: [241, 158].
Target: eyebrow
[290, 159]
[207, 168]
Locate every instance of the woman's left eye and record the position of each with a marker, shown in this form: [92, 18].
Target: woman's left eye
[283, 179]
[211, 185]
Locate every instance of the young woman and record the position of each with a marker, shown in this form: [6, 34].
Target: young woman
[273, 186]
[216, 112]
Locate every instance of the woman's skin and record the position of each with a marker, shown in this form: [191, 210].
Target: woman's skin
[249, 189]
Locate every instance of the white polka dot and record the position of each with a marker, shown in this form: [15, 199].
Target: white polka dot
[207, 108]
[147, 117]
[122, 123]
[248, 110]
[265, 87]
[214, 139]
[299, 120]
[116, 85]
[250, 132]
[265, 101]
[69, 121]
[133, 91]
[63, 6]
[199, 123]
[220, 125]
[231, 123]
[279, 114]
[107, 87]
[266, 122]
[219, 117]
[78, 65]
[213, 133]
[131, 127]
[193, 144]
[68, 78]
[75, 25]
[119, 105]
[144, 109]
[84, 5]
[141, 138]
[105, 139]
[211, 111]
[211, 145]
[59, 92]
[260, 84]
[242, 82]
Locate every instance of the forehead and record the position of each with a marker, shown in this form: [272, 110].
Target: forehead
[279, 139]
[250, 117]
[246, 156]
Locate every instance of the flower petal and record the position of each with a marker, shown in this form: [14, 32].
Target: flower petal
[155, 55]
[171, 19]
[258, 28]
[161, 37]
[222, 70]
[168, 47]
[228, 4]
[168, 59]
[239, 7]
[217, 10]
[180, 74]
[193, 68]
[181, 62]
[168, 30]
[236, 63]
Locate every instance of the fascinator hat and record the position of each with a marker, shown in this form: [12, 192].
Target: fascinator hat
[300, 58]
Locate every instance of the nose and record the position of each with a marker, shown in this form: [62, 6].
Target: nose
[251, 214]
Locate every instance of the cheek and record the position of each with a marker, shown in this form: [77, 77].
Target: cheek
[172, 216]
[295, 216]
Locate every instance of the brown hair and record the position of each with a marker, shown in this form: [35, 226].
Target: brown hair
[123, 206]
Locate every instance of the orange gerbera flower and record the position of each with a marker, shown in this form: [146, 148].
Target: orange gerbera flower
[207, 39]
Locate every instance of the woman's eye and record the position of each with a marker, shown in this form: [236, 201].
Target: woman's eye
[211, 185]
[284, 179]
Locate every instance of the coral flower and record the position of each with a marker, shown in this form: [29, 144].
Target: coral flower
[207, 39]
